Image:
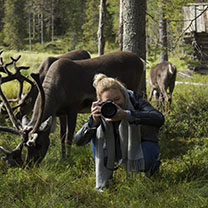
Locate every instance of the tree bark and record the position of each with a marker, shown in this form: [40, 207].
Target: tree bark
[134, 34]
[163, 34]
[42, 23]
[33, 26]
[52, 20]
[42, 28]
[29, 25]
[121, 25]
[101, 39]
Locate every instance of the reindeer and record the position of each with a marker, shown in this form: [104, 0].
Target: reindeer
[26, 104]
[161, 78]
[67, 89]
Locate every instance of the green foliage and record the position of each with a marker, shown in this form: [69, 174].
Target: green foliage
[14, 24]
[53, 47]
[76, 25]
[174, 15]
[91, 24]
[188, 116]
[73, 31]
[1, 20]
[190, 57]
[111, 29]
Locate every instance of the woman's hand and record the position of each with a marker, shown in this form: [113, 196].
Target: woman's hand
[120, 115]
[96, 112]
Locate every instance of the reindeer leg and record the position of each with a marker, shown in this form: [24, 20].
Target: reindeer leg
[165, 98]
[160, 102]
[171, 88]
[169, 101]
[166, 102]
[150, 94]
[63, 123]
[157, 98]
[72, 118]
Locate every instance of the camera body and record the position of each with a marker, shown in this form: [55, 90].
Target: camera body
[108, 109]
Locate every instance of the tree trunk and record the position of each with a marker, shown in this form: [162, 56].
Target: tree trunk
[42, 23]
[42, 28]
[34, 21]
[29, 25]
[121, 25]
[52, 20]
[134, 34]
[163, 34]
[101, 39]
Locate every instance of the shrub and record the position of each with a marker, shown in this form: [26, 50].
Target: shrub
[188, 116]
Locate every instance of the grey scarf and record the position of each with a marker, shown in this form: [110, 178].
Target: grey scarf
[130, 144]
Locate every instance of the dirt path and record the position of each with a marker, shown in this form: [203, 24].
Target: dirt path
[191, 83]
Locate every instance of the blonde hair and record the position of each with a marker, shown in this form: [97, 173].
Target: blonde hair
[103, 83]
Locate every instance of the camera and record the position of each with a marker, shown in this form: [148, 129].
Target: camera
[108, 109]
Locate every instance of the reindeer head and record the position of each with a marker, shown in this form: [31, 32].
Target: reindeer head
[37, 141]
[34, 137]
[13, 158]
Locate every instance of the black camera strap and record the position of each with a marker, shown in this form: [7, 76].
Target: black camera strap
[115, 168]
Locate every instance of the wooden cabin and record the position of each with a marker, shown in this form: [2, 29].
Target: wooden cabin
[196, 32]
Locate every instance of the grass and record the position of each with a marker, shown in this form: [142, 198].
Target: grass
[181, 182]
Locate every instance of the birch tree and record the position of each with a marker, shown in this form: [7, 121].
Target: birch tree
[101, 25]
[163, 32]
[121, 25]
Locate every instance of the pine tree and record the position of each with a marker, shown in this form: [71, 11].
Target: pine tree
[111, 24]
[91, 24]
[75, 18]
[14, 24]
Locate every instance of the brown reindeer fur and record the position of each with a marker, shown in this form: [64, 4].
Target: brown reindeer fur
[161, 79]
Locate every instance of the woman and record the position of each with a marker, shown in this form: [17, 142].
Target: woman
[129, 137]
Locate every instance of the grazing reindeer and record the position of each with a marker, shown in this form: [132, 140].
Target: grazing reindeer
[67, 89]
[162, 77]
[27, 103]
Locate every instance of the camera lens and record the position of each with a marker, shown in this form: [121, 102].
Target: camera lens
[108, 109]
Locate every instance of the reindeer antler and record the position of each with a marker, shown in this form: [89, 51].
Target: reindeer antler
[12, 157]
[15, 76]
[20, 77]
[42, 94]
[14, 121]
[9, 130]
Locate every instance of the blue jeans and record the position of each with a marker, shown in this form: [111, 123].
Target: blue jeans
[150, 150]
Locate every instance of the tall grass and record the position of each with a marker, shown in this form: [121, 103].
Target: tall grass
[31, 59]
[181, 182]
